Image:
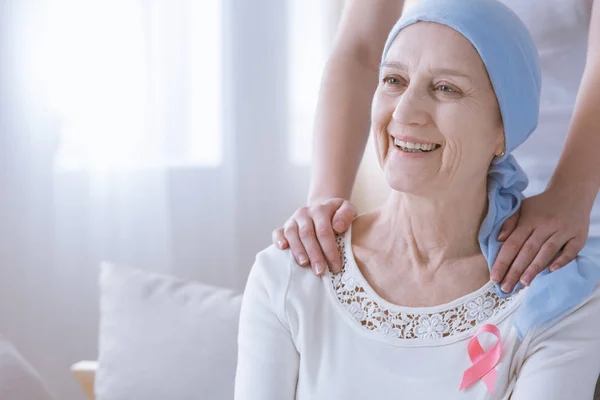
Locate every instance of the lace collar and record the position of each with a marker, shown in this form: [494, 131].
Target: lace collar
[451, 321]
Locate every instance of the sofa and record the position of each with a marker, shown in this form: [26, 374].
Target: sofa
[162, 338]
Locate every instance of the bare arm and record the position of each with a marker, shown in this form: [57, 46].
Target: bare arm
[578, 170]
[348, 83]
[340, 133]
[557, 220]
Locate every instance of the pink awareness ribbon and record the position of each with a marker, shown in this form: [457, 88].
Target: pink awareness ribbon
[483, 363]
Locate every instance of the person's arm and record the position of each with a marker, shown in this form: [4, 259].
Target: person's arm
[578, 169]
[268, 361]
[349, 80]
[559, 217]
[341, 130]
[563, 362]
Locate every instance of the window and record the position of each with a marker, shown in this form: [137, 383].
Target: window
[137, 84]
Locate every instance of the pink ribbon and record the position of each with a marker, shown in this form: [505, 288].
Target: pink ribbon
[483, 363]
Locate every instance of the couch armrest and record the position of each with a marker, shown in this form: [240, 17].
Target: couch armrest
[84, 372]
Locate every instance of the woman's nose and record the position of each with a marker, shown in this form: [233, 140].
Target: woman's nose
[411, 108]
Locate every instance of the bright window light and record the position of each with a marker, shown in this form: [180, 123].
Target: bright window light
[204, 111]
[136, 84]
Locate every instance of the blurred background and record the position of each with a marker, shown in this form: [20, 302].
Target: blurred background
[169, 134]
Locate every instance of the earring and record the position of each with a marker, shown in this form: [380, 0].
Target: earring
[501, 154]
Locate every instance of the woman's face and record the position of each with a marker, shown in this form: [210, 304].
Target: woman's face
[435, 116]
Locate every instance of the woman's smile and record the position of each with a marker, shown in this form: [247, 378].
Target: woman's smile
[411, 147]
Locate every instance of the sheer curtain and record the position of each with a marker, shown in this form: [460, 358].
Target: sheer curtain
[169, 135]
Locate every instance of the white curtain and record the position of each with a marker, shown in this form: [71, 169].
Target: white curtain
[111, 149]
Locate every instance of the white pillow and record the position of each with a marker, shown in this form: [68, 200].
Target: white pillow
[18, 380]
[162, 338]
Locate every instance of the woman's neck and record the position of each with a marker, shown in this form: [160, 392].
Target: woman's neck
[423, 241]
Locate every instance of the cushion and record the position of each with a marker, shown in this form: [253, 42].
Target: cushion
[18, 380]
[165, 338]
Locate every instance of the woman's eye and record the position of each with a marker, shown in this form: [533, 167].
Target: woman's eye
[390, 80]
[446, 88]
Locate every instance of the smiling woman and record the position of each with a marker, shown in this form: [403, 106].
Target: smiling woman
[437, 98]
[413, 310]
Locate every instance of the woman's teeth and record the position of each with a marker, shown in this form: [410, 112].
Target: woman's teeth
[410, 147]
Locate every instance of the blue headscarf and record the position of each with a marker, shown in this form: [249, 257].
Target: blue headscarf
[510, 57]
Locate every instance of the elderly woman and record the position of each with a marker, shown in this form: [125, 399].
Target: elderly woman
[413, 313]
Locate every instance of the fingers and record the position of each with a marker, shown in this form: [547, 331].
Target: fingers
[307, 233]
[278, 239]
[535, 255]
[299, 233]
[551, 253]
[509, 226]
[507, 254]
[292, 235]
[326, 240]
[310, 236]
[343, 217]
[568, 254]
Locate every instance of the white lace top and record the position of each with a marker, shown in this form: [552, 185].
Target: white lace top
[303, 337]
[456, 319]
